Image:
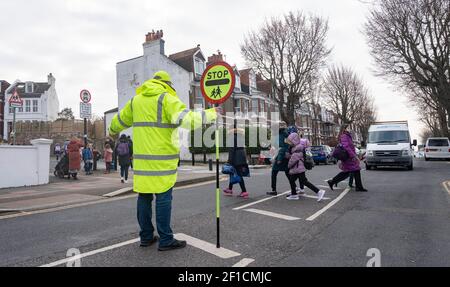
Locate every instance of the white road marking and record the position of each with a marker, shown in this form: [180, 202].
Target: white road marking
[244, 262]
[313, 197]
[206, 246]
[194, 242]
[259, 201]
[446, 185]
[327, 187]
[90, 253]
[272, 214]
[328, 206]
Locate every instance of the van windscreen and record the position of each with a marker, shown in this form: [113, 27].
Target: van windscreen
[379, 137]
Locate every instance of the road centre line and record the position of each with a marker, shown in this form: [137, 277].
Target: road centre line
[244, 262]
[328, 206]
[272, 214]
[192, 241]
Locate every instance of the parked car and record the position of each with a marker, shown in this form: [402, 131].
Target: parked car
[322, 154]
[437, 148]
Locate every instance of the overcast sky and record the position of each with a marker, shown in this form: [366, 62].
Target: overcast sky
[80, 41]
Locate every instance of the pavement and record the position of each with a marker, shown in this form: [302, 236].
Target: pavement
[401, 221]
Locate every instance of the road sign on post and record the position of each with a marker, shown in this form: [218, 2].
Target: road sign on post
[15, 102]
[85, 110]
[217, 85]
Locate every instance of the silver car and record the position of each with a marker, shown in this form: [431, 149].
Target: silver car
[437, 148]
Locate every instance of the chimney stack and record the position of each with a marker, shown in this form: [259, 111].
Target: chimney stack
[215, 58]
[153, 38]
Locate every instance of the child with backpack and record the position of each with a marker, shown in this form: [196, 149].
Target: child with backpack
[124, 151]
[88, 158]
[297, 169]
[108, 155]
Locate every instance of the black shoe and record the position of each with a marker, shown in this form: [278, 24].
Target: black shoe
[176, 244]
[272, 193]
[330, 183]
[151, 242]
[361, 190]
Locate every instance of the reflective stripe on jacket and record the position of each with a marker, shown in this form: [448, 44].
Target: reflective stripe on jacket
[155, 113]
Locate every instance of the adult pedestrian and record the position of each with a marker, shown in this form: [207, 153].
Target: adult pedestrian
[280, 162]
[351, 163]
[155, 114]
[237, 157]
[124, 152]
[73, 150]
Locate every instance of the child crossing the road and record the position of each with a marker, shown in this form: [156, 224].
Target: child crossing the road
[297, 170]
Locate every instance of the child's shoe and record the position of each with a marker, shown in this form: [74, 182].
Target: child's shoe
[228, 192]
[293, 197]
[300, 191]
[244, 195]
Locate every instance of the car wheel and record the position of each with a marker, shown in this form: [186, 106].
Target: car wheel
[410, 167]
[427, 159]
[368, 167]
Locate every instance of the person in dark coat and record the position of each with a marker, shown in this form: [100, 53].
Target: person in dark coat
[280, 162]
[124, 152]
[351, 164]
[237, 157]
[130, 143]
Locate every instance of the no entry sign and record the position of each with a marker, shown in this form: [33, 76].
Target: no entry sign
[217, 83]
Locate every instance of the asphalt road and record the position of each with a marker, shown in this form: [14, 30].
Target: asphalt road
[404, 215]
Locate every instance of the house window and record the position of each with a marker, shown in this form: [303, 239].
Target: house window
[255, 106]
[199, 67]
[198, 98]
[35, 106]
[237, 105]
[238, 83]
[27, 106]
[28, 87]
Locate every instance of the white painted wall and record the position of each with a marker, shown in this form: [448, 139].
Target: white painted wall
[108, 118]
[25, 165]
[134, 72]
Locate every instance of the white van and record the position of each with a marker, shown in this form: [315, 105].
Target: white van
[437, 148]
[389, 144]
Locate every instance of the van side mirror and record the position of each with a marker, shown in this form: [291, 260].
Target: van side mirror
[414, 143]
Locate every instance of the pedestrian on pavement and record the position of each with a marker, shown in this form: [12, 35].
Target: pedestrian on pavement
[351, 164]
[73, 150]
[124, 152]
[88, 158]
[130, 143]
[108, 156]
[65, 146]
[155, 114]
[280, 162]
[297, 170]
[237, 157]
[57, 151]
[96, 155]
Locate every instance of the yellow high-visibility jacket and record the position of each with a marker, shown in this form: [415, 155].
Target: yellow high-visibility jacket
[155, 114]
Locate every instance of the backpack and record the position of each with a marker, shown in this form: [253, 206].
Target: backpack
[340, 153]
[123, 149]
[308, 161]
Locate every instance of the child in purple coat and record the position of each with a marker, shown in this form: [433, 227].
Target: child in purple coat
[297, 170]
[351, 164]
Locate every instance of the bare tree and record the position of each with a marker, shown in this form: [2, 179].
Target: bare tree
[365, 118]
[289, 51]
[345, 94]
[410, 42]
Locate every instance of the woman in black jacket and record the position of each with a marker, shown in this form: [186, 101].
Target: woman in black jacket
[237, 157]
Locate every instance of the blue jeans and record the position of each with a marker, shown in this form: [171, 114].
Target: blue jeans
[163, 214]
[124, 171]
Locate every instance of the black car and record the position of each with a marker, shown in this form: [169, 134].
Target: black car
[322, 154]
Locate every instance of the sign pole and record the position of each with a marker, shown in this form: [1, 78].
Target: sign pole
[217, 181]
[85, 133]
[217, 85]
[14, 126]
